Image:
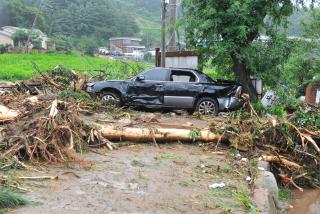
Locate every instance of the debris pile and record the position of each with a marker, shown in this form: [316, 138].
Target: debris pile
[39, 127]
[41, 121]
[292, 150]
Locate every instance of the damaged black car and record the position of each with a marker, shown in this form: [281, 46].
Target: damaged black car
[171, 88]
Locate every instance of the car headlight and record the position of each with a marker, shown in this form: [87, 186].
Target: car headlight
[90, 87]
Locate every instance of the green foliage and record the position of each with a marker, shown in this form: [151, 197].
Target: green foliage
[5, 48]
[216, 73]
[311, 24]
[37, 45]
[277, 110]
[258, 107]
[233, 152]
[307, 119]
[285, 195]
[266, 59]
[20, 36]
[168, 156]
[245, 201]
[20, 14]
[11, 200]
[19, 66]
[88, 45]
[220, 196]
[125, 70]
[214, 31]
[194, 134]
[212, 28]
[63, 43]
[96, 19]
[147, 14]
[148, 57]
[74, 94]
[302, 66]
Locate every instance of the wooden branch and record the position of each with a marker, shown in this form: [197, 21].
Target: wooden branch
[282, 160]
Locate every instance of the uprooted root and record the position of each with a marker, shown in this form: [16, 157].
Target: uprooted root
[47, 138]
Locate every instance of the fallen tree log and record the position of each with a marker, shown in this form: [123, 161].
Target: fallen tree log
[156, 134]
[282, 160]
[7, 114]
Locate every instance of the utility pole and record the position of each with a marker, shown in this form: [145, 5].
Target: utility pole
[173, 9]
[33, 26]
[163, 34]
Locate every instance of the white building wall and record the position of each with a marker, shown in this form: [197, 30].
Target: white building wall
[5, 40]
[182, 62]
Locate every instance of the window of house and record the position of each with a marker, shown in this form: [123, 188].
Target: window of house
[182, 76]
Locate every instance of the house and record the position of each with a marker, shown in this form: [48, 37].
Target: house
[126, 45]
[6, 38]
[7, 34]
[313, 93]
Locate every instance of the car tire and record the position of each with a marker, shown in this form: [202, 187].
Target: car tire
[111, 99]
[207, 106]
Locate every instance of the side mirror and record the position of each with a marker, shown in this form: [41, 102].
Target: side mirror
[140, 78]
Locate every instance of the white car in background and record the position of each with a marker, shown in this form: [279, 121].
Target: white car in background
[104, 51]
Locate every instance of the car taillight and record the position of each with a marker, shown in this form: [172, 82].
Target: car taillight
[238, 91]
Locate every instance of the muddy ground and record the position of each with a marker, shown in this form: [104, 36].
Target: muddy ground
[306, 202]
[139, 179]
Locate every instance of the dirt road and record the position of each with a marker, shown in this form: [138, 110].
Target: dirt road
[140, 179]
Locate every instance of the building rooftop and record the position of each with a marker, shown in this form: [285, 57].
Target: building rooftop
[5, 33]
[10, 30]
[133, 46]
[125, 38]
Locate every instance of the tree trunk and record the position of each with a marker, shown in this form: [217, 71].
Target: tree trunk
[158, 134]
[243, 76]
[7, 114]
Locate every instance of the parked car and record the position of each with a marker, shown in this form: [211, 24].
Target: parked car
[171, 88]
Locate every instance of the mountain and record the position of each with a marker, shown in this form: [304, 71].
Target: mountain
[78, 23]
[147, 14]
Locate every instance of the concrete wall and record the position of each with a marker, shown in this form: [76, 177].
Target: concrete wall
[182, 62]
[5, 40]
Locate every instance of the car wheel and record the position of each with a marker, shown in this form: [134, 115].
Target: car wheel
[207, 106]
[111, 99]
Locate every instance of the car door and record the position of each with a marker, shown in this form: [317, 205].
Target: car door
[182, 89]
[148, 87]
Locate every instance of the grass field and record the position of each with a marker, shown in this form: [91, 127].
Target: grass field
[20, 66]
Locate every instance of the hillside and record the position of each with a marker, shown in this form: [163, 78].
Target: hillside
[147, 15]
[82, 23]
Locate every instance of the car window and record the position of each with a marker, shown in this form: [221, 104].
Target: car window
[182, 76]
[156, 74]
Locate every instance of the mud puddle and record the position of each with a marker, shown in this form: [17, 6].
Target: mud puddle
[307, 202]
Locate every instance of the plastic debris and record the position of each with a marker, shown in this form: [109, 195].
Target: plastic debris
[217, 185]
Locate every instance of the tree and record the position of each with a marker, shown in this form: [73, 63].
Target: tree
[20, 37]
[21, 14]
[228, 28]
[311, 25]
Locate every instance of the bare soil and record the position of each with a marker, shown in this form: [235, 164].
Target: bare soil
[139, 179]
